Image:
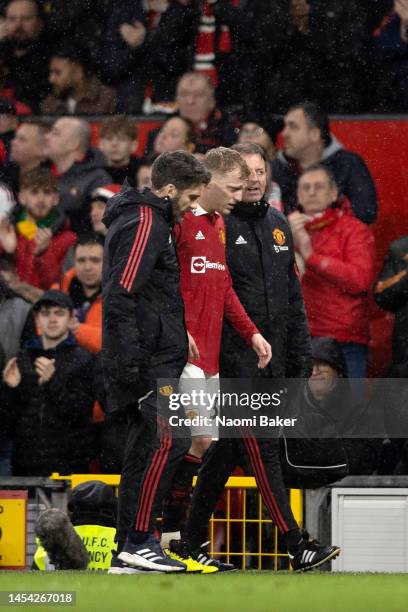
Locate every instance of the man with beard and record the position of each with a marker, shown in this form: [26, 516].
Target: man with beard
[76, 89]
[24, 54]
[144, 339]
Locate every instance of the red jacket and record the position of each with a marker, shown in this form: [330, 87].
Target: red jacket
[45, 269]
[338, 277]
[206, 286]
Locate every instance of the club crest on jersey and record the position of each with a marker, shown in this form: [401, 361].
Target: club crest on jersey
[221, 234]
[279, 236]
[166, 391]
[280, 239]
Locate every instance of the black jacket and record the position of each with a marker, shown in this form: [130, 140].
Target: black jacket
[350, 171]
[76, 186]
[27, 75]
[328, 64]
[122, 66]
[173, 47]
[53, 422]
[391, 293]
[260, 258]
[144, 337]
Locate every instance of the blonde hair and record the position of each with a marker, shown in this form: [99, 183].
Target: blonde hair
[223, 160]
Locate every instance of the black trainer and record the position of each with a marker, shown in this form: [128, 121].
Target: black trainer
[149, 555]
[311, 554]
[201, 555]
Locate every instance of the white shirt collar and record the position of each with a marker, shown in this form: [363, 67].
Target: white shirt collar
[199, 211]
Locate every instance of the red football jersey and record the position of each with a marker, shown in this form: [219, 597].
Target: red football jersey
[206, 286]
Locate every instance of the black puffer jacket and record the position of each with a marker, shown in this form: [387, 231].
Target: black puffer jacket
[260, 258]
[53, 422]
[391, 293]
[350, 171]
[144, 337]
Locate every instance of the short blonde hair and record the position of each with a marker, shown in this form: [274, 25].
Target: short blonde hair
[223, 160]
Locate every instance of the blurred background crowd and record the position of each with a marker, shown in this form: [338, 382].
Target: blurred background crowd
[75, 75]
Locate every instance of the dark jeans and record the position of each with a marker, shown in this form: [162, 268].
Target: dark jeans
[356, 358]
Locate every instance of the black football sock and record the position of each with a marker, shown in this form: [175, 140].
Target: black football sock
[176, 504]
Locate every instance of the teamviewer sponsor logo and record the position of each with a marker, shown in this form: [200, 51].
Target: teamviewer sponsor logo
[198, 265]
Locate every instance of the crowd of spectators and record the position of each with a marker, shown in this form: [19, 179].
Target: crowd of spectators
[94, 56]
[218, 71]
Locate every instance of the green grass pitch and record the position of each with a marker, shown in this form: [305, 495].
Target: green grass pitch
[233, 592]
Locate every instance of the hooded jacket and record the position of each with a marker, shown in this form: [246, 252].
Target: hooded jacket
[76, 186]
[52, 421]
[260, 258]
[342, 416]
[143, 335]
[352, 176]
[338, 277]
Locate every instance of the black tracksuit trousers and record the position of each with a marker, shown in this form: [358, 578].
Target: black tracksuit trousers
[151, 459]
[219, 462]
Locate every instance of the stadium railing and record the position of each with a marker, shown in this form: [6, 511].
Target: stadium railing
[240, 531]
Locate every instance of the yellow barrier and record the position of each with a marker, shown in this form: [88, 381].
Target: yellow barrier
[248, 539]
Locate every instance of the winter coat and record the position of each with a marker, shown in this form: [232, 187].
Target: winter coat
[143, 337]
[52, 422]
[89, 333]
[393, 53]
[391, 293]
[82, 21]
[27, 76]
[98, 99]
[173, 46]
[260, 258]
[338, 277]
[352, 176]
[122, 66]
[327, 64]
[44, 269]
[76, 186]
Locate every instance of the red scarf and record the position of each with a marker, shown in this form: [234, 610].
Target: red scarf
[329, 217]
[207, 46]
